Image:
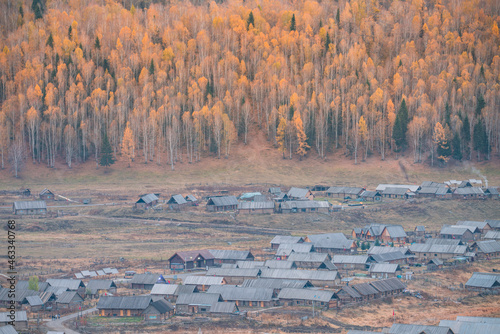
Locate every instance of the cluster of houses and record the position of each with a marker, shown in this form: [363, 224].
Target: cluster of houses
[462, 325]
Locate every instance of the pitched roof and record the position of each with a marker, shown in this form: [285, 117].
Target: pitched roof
[310, 275]
[286, 249]
[198, 299]
[492, 235]
[269, 283]
[286, 239]
[350, 291]
[480, 225]
[187, 256]
[100, 284]
[191, 198]
[384, 268]
[34, 300]
[233, 272]
[387, 257]
[492, 191]
[436, 248]
[389, 284]
[418, 329]
[488, 246]
[149, 198]
[486, 320]
[306, 294]
[370, 194]
[20, 316]
[203, 280]
[177, 199]
[71, 284]
[304, 204]
[45, 191]
[249, 264]
[224, 307]
[124, 303]
[297, 192]
[454, 230]
[67, 297]
[365, 289]
[309, 257]
[8, 329]
[467, 327]
[148, 278]
[494, 223]
[439, 241]
[24, 285]
[258, 205]
[350, 259]
[275, 190]
[395, 191]
[164, 289]
[229, 254]
[396, 231]
[382, 249]
[411, 187]
[30, 205]
[483, 280]
[222, 201]
[469, 191]
[233, 293]
[162, 306]
[345, 190]
[279, 264]
[328, 240]
[249, 195]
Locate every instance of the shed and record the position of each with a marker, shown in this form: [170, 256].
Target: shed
[265, 207]
[300, 194]
[177, 203]
[146, 281]
[384, 270]
[492, 193]
[222, 203]
[146, 201]
[46, 195]
[196, 302]
[158, 310]
[387, 287]
[68, 299]
[371, 196]
[29, 208]
[192, 200]
[304, 297]
[483, 281]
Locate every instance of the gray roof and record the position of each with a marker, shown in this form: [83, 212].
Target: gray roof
[24, 285]
[286, 239]
[381, 249]
[350, 259]
[249, 264]
[177, 199]
[233, 272]
[229, 254]
[389, 284]
[396, 231]
[162, 306]
[298, 248]
[492, 191]
[233, 293]
[34, 300]
[454, 230]
[184, 289]
[124, 303]
[279, 264]
[488, 246]
[411, 187]
[443, 191]
[350, 291]
[362, 332]
[492, 235]
[256, 205]
[435, 248]
[20, 316]
[71, 284]
[365, 289]
[67, 297]
[224, 307]
[304, 205]
[191, 198]
[432, 184]
[306, 294]
[485, 320]
[439, 241]
[466, 327]
[30, 205]
[384, 268]
[309, 257]
[494, 223]
[275, 190]
[269, 283]
[369, 194]
[100, 284]
[297, 192]
[45, 191]
[149, 198]
[310, 275]
[148, 278]
[479, 225]
[8, 329]
[395, 191]
[483, 280]
[328, 240]
[198, 299]
[436, 262]
[345, 190]
[164, 289]
[428, 190]
[110, 271]
[223, 201]
[418, 329]
[387, 257]
[469, 191]
[203, 280]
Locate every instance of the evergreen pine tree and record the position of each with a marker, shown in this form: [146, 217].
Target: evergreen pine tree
[97, 43]
[292, 23]
[466, 136]
[480, 139]
[457, 149]
[480, 104]
[327, 42]
[400, 127]
[106, 152]
[447, 115]
[152, 67]
[50, 41]
[38, 7]
[337, 17]
[250, 20]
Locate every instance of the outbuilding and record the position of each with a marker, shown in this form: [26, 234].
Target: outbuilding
[29, 208]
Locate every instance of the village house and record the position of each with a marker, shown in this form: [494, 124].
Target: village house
[305, 206]
[19, 298]
[285, 239]
[472, 325]
[274, 190]
[468, 193]
[192, 200]
[393, 233]
[222, 203]
[9, 329]
[366, 290]
[249, 197]
[319, 278]
[196, 302]
[420, 231]
[388, 287]
[492, 235]
[492, 193]
[371, 196]
[385, 233]
[352, 262]
[234, 276]
[434, 264]
[245, 264]
[300, 194]
[20, 316]
[224, 309]
[384, 270]
[394, 257]
[46, 195]
[305, 297]
[443, 252]
[276, 284]
[249, 297]
[483, 227]
[230, 256]
[167, 291]
[344, 192]
[483, 282]
[414, 329]
[29, 208]
[252, 208]
[98, 287]
[347, 295]
[377, 250]
[146, 201]
[333, 243]
[130, 306]
[69, 300]
[186, 260]
[317, 261]
[68, 284]
[203, 283]
[462, 233]
[284, 250]
[486, 248]
[393, 192]
[494, 224]
[158, 310]
[177, 203]
[146, 281]
[410, 187]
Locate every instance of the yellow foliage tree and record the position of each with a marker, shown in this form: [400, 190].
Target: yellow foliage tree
[301, 135]
[128, 146]
[280, 135]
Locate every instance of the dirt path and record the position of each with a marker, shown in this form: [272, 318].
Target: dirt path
[57, 325]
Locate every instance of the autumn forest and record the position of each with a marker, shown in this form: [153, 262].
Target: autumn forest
[158, 81]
